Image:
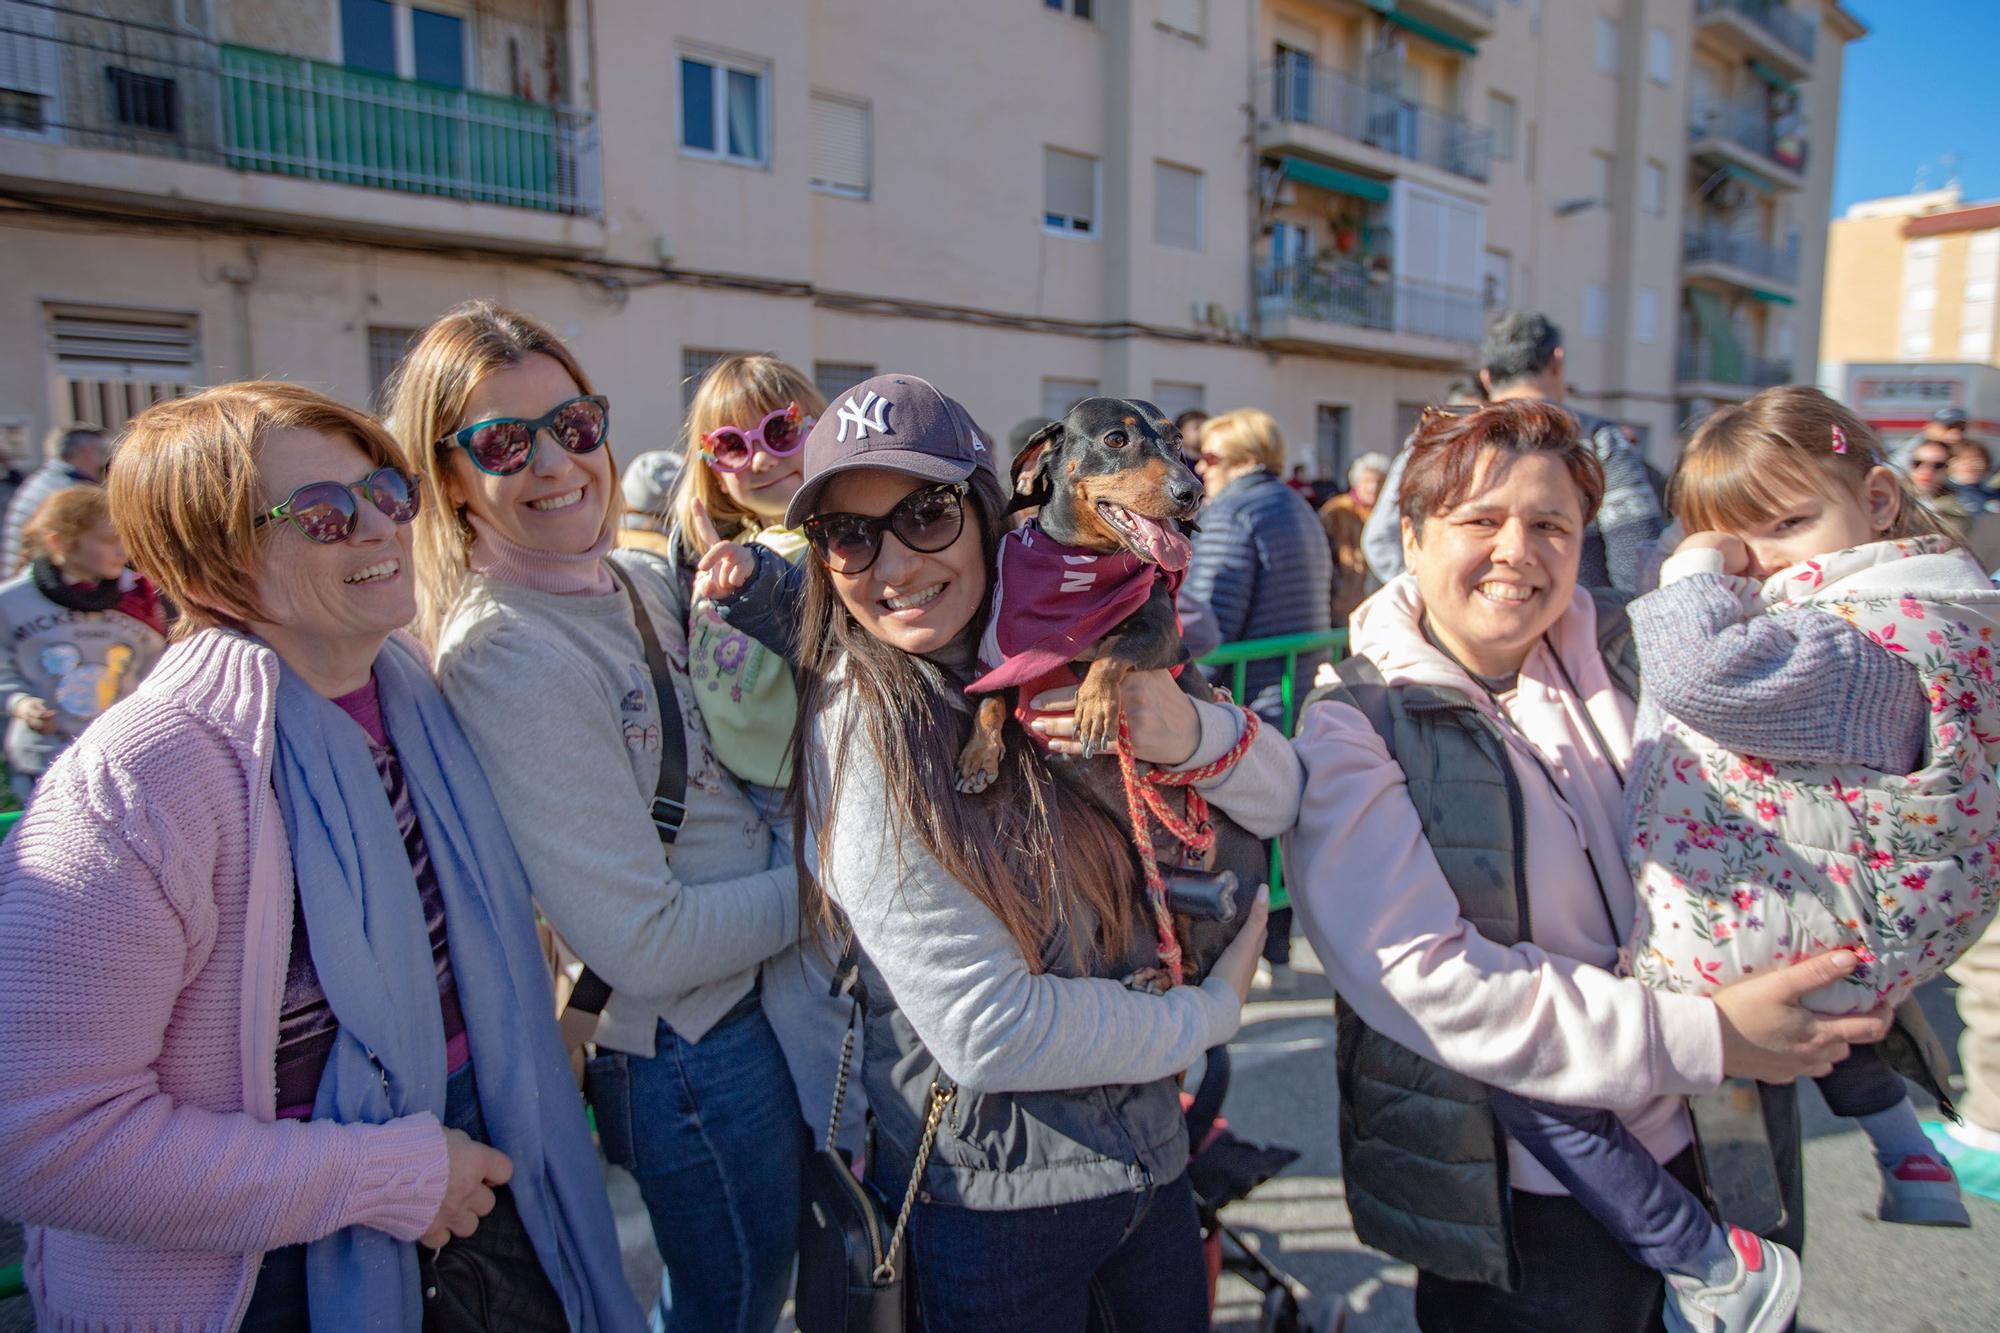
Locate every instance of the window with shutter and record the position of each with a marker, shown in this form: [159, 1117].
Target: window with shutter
[1069, 192]
[1177, 206]
[1059, 396]
[834, 378]
[840, 145]
[1174, 397]
[1185, 16]
[29, 80]
[386, 345]
[110, 364]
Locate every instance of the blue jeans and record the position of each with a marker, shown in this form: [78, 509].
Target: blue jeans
[711, 1131]
[1131, 1263]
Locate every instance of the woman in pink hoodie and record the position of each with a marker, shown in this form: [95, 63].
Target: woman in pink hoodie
[1479, 949]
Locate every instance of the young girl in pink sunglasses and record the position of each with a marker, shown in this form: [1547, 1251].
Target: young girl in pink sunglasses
[745, 429]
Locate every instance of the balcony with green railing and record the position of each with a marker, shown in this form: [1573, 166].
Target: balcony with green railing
[128, 86]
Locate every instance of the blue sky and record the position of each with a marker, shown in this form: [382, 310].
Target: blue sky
[1924, 82]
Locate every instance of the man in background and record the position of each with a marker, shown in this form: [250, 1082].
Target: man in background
[73, 455]
[1522, 357]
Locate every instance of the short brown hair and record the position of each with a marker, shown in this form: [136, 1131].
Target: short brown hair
[1747, 460]
[1444, 453]
[186, 493]
[1968, 445]
[67, 515]
[1248, 433]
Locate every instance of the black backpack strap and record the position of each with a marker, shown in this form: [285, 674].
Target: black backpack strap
[1614, 640]
[669, 806]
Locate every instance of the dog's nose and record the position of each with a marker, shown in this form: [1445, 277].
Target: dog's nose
[1183, 493]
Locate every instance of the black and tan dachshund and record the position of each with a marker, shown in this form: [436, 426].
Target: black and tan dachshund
[1109, 479]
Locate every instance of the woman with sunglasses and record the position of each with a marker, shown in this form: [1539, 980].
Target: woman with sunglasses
[996, 930]
[276, 1046]
[538, 649]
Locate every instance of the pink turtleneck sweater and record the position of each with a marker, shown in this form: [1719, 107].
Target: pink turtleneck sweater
[498, 557]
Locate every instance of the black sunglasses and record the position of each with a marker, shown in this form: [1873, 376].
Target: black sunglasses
[326, 511]
[926, 520]
[505, 445]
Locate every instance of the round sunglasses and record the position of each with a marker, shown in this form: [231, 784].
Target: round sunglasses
[505, 445]
[327, 511]
[780, 434]
[926, 520]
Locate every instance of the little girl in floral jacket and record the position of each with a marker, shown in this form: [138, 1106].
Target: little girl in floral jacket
[1818, 727]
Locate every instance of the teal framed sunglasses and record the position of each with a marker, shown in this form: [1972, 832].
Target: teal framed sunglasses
[326, 511]
[503, 446]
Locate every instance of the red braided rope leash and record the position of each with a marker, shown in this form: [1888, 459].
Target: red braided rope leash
[1144, 798]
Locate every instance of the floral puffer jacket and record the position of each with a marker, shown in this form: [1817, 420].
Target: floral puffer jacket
[1743, 864]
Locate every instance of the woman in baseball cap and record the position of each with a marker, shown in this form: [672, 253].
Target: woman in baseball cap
[995, 928]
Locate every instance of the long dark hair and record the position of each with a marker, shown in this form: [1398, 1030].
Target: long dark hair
[1038, 853]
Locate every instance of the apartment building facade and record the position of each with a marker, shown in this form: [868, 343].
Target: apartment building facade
[1934, 261]
[1312, 206]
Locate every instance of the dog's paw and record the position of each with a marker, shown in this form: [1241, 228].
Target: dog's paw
[979, 763]
[1151, 980]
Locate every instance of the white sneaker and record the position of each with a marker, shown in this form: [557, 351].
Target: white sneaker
[1761, 1298]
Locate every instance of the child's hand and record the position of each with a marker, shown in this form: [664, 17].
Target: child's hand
[35, 714]
[1735, 555]
[724, 571]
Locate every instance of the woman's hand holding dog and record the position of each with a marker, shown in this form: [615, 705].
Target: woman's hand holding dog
[1165, 728]
[1237, 964]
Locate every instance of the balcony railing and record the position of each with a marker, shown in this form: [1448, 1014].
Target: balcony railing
[1708, 361]
[1750, 130]
[1299, 92]
[106, 83]
[1350, 295]
[1720, 245]
[1791, 30]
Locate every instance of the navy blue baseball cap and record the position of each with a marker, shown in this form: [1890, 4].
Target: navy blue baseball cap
[898, 422]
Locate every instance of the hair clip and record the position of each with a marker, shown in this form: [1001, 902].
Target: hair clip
[1839, 440]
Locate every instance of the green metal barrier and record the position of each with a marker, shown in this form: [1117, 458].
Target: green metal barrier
[1289, 648]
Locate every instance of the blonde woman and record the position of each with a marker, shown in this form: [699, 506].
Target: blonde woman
[538, 649]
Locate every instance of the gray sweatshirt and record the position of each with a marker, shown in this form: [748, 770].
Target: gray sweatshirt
[77, 662]
[957, 974]
[554, 694]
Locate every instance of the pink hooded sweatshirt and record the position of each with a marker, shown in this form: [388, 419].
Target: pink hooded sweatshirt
[1547, 1019]
[145, 923]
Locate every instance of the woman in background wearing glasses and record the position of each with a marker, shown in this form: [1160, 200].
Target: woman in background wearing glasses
[538, 649]
[271, 1006]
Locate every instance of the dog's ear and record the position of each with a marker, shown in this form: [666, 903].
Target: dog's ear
[1032, 484]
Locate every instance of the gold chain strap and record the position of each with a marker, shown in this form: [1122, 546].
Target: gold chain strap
[940, 1098]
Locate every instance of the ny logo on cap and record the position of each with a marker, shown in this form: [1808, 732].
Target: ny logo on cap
[871, 413]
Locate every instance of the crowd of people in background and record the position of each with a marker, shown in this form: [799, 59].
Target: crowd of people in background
[389, 781]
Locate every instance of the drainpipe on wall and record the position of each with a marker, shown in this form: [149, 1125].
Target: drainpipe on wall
[240, 277]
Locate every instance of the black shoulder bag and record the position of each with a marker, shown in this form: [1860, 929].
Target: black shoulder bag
[669, 808]
[851, 1253]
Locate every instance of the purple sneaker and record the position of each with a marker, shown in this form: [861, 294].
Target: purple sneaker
[1921, 1191]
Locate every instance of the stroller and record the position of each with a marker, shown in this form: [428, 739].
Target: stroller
[1223, 1168]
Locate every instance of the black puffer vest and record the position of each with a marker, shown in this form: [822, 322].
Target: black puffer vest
[1423, 1160]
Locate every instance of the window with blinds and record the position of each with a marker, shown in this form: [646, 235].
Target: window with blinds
[386, 345]
[1069, 192]
[1059, 396]
[28, 72]
[110, 364]
[1177, 204]
[834, 378]
[696, 362]
[1185, 16]
[840, 147]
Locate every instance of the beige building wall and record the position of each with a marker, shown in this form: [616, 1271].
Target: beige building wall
[1884, 255]
[945, 267]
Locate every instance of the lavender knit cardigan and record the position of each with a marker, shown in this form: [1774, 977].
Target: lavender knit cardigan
[145, 921]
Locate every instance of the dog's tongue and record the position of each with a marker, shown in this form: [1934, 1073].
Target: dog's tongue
[1165, 546]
